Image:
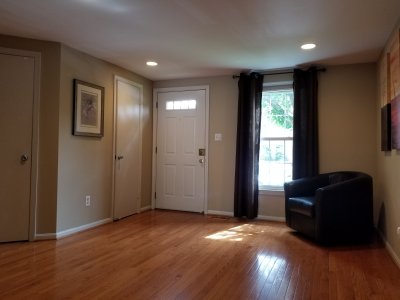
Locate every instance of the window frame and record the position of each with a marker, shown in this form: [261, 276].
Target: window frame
[274, 86]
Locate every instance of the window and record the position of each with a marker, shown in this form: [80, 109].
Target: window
[180, 104]
[276, 137]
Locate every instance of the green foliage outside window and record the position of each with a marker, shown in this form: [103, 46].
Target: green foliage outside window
[277, 106]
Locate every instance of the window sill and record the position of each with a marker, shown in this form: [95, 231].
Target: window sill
[278, 191]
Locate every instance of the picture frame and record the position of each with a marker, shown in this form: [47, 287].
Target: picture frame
[386, 132]
[395, 121]
[88, 115]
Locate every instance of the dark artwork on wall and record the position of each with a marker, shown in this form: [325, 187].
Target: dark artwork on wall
[395, 121]
[386, 132]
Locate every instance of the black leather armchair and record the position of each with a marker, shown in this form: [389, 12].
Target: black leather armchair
[331, 207]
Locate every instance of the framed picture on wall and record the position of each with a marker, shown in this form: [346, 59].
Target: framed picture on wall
[88, 117]
[386, 132]
[395, 121]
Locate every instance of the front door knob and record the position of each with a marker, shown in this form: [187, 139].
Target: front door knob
[24, 157]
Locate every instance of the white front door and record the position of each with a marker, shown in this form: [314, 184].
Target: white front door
[16, 116]
[181, 150]
[128, 143]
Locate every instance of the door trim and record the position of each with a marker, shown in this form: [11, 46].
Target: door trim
[35, 134]
[206, 88]
[127, 81]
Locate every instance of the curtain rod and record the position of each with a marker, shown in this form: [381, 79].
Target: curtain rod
[280, 73]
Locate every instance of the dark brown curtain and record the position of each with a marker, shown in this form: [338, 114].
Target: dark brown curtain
[305, 123]
[248, 145]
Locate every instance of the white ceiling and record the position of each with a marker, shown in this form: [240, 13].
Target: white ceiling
[195, 38]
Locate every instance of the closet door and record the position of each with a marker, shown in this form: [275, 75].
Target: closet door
[16, 117]
[128, 144]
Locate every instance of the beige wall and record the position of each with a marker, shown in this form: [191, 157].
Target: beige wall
[387, 204]
[347, 131]
[48, 127]
[347, 118]
[85, 163]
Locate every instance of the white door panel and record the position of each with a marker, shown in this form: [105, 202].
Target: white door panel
[128, 149]
[180, 179]
[16, 115]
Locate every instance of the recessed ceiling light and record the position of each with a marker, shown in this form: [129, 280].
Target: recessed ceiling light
[308, 46]
[151, 63]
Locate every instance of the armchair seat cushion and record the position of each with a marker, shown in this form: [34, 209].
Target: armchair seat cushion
[302, 205]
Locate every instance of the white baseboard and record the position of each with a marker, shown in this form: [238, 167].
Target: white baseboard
[146, 208]
[272, 218]
[389, 248]
[70, 231]
[44, 236]
[65, 233]
[219, 213]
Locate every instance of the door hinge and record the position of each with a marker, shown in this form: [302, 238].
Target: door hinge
[156, 149]
[155, 195]
[157, 104]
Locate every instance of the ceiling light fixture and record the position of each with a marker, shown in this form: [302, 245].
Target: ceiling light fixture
[151, 63]
[308, 46]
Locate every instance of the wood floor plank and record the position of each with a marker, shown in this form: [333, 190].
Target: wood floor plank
[174, 255]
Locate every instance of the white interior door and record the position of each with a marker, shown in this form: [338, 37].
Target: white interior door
[127, 148]
[181, 146]
[16, 116]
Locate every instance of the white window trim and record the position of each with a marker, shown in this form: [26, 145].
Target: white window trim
[270, 191]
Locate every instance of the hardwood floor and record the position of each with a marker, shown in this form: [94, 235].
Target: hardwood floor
[173, 255]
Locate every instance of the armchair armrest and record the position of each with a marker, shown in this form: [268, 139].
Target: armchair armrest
[302, 187]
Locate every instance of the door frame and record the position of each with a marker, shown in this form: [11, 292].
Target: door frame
[115, 107]
[206, 88]
[35, 134]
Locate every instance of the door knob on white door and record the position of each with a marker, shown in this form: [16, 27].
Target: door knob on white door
[119, 157]
[201, 160]
[24, 157]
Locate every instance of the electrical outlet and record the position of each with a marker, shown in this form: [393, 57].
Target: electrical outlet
[87, 200]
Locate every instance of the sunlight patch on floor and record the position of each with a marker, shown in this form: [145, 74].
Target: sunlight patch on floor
[237, 233]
